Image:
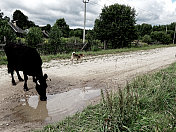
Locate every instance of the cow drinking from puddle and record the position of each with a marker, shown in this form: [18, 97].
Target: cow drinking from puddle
[26, 59]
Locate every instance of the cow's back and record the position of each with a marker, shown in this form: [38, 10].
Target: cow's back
[22, 58]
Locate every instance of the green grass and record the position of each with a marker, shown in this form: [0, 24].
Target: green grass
[46, 58]
[3, 60]
[147, 104]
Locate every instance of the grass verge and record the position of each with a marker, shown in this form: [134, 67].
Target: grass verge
[147, 104]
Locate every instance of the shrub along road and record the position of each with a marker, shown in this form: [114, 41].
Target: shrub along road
[98, 72]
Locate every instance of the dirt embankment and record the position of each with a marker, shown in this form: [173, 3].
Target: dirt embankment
[96, 73]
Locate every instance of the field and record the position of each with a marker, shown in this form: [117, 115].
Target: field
[73, 86]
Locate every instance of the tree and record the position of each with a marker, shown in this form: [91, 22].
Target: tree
[100, 31]
[55, 39]
[34, 37]
[116, 25]
[76, 33]
[172, 26]
[161, 37]
[145, 29]
[1, 14]
[5, 17]
[31, 24]
[157, 28]
[22, 20]
[47, 28]
[171, 33]
[63, 26]
[6, 31]
[92, 44]
[138, 31]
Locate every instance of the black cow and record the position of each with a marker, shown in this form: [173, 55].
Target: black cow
[26, 59]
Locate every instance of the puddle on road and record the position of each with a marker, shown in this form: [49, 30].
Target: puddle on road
[57, 107]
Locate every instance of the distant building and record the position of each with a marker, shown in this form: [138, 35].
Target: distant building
[45, 34]
[17, 29]
[20, 31]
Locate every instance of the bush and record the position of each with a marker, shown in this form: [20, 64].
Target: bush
[147, 39]
[20, 40]
[6, 30]
[71, 40]
[161, 36]
[55, 40]
[34, 37]
[96, 45]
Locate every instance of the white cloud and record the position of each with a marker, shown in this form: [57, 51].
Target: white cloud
[44, 12]
[155, 11]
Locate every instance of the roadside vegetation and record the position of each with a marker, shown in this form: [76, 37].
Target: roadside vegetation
[146, 104]
[3, 60]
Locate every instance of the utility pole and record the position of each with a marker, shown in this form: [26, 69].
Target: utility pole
[84, 32]
[174, 35]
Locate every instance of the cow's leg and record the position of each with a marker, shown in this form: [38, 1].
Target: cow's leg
[13, 80]
[25, 82]
[34, 79]
[19, 77]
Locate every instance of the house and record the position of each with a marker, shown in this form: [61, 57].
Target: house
[17, 29]
[20, 32]
[45, 34]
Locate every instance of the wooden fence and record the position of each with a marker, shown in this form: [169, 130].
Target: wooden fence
[65, 47]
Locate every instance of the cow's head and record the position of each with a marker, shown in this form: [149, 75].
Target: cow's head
[41, 87]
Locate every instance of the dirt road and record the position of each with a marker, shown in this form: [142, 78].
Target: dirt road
[72, 86]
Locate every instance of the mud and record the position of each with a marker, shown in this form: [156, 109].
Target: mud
[72, 86]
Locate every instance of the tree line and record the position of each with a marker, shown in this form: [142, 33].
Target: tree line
[163, 34]
[114, 28]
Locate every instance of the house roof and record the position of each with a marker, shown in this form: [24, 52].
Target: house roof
[19, 30]
[45, 33]
[16, 28]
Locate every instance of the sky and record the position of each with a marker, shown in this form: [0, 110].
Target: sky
[42, 12]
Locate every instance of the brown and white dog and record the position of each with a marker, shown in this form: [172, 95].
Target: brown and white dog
[76, 56]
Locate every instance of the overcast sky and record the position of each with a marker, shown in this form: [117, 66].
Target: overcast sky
[44, 12]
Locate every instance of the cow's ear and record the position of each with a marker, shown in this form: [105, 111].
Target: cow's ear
[45, 76]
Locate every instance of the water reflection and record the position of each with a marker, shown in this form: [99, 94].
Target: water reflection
[57, 107]
[29, 113]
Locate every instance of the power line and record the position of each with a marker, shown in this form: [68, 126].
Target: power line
[94, 3]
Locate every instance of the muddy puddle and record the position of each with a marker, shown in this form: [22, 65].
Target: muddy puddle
[57, 106]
